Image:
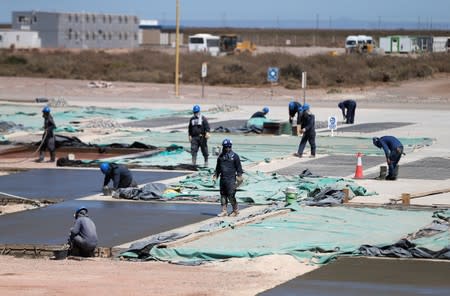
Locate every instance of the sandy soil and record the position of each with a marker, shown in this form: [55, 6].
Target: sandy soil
[234, 277]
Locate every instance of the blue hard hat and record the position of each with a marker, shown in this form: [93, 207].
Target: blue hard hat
[46, 109]
[227, 143]
[80, 209]
[265, 109]
[376, 141]
[104, 167]
[292, 106]
[196, 109]
[305, 107]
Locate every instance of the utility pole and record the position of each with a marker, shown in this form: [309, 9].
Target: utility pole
[177, 51]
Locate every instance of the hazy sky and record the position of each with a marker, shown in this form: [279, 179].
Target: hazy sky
[228, 10]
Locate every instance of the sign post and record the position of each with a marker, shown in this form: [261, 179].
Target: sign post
[332, 124]
[273, 74]
[204, 73]
[304, 87]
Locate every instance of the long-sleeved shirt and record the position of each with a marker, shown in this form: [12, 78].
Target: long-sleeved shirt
[198, 125]
[295, 110]
[228, 166]
[49, 125]
[85, 228]
[121, 176]
[389, 143]
[308, 122]
[347, 104]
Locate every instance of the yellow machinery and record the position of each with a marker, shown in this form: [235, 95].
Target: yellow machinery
[232, 44]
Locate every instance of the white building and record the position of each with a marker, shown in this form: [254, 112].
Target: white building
[19, 39]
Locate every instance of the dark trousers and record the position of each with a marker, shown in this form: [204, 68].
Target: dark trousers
[307, 137]
[394, 158]
[351, 114]
[199, 142]
[78, 247]
[228, 192]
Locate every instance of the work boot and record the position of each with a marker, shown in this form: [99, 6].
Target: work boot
[206, 162]
[194, 160]
[41, 157]
[235, 211]
[223, 213]
[52, 156]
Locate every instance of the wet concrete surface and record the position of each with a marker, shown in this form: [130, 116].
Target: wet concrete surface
[117, 222]
[229, 124]
[158, 122]
[369, 276]
[371, 127]
[333, 165]
[431, 168]
[66, 184]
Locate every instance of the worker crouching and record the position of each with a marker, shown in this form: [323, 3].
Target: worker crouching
[83, 235]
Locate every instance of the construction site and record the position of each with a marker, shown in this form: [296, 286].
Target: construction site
[345, 232]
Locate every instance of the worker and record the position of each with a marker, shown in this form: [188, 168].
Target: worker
[83, 235]
[119, 174]
[198, 135]
[229, 169]
[308, 131]
[348, 108]
[294, 108]
[48, 138]
[261, 114]
[393, 149]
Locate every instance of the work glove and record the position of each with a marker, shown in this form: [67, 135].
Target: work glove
[190, 139]
[207, 136]
[239, 180]
[214, 178]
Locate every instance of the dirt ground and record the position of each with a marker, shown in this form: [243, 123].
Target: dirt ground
[20, 276]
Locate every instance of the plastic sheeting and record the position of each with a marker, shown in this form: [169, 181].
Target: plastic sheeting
[312, 234]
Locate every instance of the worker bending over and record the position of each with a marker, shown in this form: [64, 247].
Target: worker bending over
[119, 174]
[261, 114]
[348, 108]
[393, 149]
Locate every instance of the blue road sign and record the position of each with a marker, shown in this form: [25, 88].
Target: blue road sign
[272, 74]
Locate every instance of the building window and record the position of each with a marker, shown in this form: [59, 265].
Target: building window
[104, 36]
[87, 36]
[76, 35]
[76, 18]
[22, 19]
[120, 19]
[126, 19]
[1, 38]
[17, 38]
[120, 36]
[93, 36]
[34, 19]
[136, 20]
[125, 36]
[110, 36]
[135, 37]
[110, 18]
[87, 18]
[69, 17]
[104, 19]
[69, 34]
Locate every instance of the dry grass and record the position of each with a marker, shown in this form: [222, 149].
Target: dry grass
[243, 70]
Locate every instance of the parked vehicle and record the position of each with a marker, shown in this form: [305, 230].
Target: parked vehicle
[359, 44]
[205, 43]
[233, 44]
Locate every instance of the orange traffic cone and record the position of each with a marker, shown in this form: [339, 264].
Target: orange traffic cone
[359, 168]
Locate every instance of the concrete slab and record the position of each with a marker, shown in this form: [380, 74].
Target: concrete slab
[430, 168]
[157, 122]
[117, 222]
[332, 165]
[66, 184]
[371, 276]
[371, 127]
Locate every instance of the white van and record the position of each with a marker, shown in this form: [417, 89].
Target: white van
[360, 43]
[206, 43]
